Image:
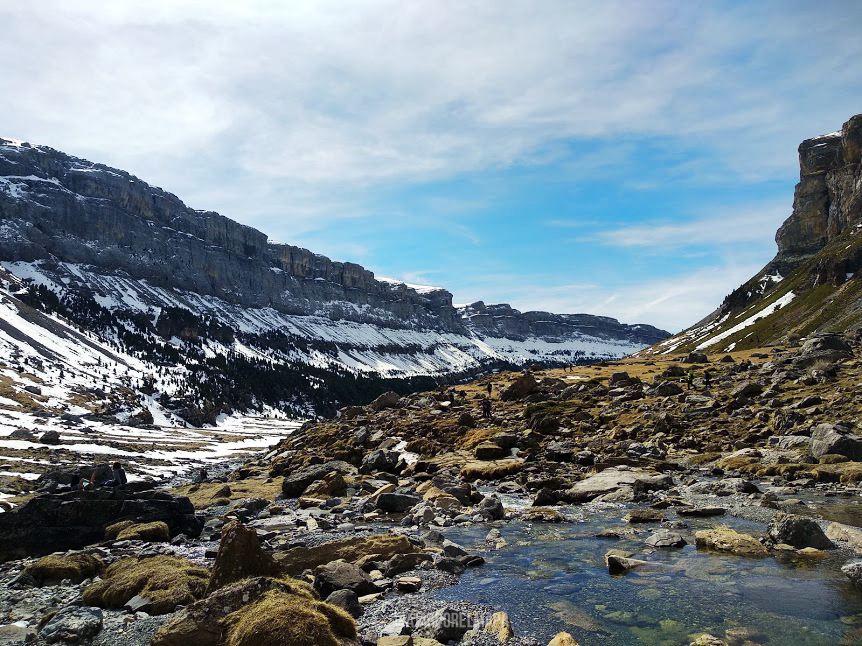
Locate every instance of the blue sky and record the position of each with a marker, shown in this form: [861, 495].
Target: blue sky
[630, 159]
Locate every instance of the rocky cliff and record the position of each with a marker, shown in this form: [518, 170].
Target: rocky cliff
[54, 206]
[813, 283]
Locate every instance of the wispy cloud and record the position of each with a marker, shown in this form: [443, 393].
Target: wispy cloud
[725, 227]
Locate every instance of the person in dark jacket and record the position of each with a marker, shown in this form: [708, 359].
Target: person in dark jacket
[119, 478]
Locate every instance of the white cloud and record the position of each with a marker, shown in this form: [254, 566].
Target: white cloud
[725, 226]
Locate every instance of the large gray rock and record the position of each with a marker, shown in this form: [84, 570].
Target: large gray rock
[297, 482]
[72, 624]
[386, 400]
[854, 573]
[832, 438]
[445, 625]
[798, 531]
[614, 479]
[379, 460]
[341, 575]
[724, 487]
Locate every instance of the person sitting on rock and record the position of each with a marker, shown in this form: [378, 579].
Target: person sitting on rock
[119, 478]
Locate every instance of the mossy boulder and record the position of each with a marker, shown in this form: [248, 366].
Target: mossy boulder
[167, 581]
[279, 618]
[724, 539]
[258, 610]
[76, 566]
[157, 532]
[112, 531]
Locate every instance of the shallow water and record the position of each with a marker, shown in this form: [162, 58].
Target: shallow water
[552, 577]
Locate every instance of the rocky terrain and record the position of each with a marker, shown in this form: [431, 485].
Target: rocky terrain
[813, 283]
[380, 526]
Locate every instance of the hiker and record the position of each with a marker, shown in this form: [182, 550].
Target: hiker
[203, 474]
[690, 378]
[119, 478]
[707, 379]
[489, 388]
[452, 396]
[486, 408]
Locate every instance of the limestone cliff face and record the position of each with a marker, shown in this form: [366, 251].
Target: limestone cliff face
[68, 210]
[828, 197]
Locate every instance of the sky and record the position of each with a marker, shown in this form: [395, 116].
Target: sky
[629, 159]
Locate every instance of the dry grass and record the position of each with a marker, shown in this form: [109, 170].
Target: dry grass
[77, 567]
[166, 580]
[202, 494]
[279, 618]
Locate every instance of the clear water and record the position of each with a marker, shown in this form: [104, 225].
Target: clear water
[552, 577]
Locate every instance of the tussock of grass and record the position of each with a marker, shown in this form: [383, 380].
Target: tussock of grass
[152, 532]
[77, 567]
[112, 531]
[280, 618]
[166, 580]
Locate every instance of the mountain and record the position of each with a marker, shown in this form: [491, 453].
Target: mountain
[813, 284]
[199, 314]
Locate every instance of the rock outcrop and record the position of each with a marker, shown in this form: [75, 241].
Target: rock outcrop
[58, 522]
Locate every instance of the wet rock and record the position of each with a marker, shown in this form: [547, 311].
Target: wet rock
[450, 565]
[408, 583]
[72, 624]
[798, 531]
[396, 503]
[492, 508]
[404, 562]
[621, 564]
[706, 639]
[239, 556]
[701, 512]
[724, 487]
[615, 478]
[542, 515]
[644, 516]
[666, 538]
[727, 540]
[854, 573]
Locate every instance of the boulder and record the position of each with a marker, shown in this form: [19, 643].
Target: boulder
[72, 624]
[798, 531]
[297, 559]
[386, 400]
[492, 508]
[379, 460]
[727, 540]
[444, 625]
[854, 573]
[500, 626]
[695, 357]
[71, 520]
[747, 389]
[490, 451]
[615, 478]
[347, 601]
[519, 389]
[826, 347]
[295, 483]
[341, 575]
[837, 440]
[50, 437]
[724, 487]
[397, 503]
[563, 639]
[239, 556]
